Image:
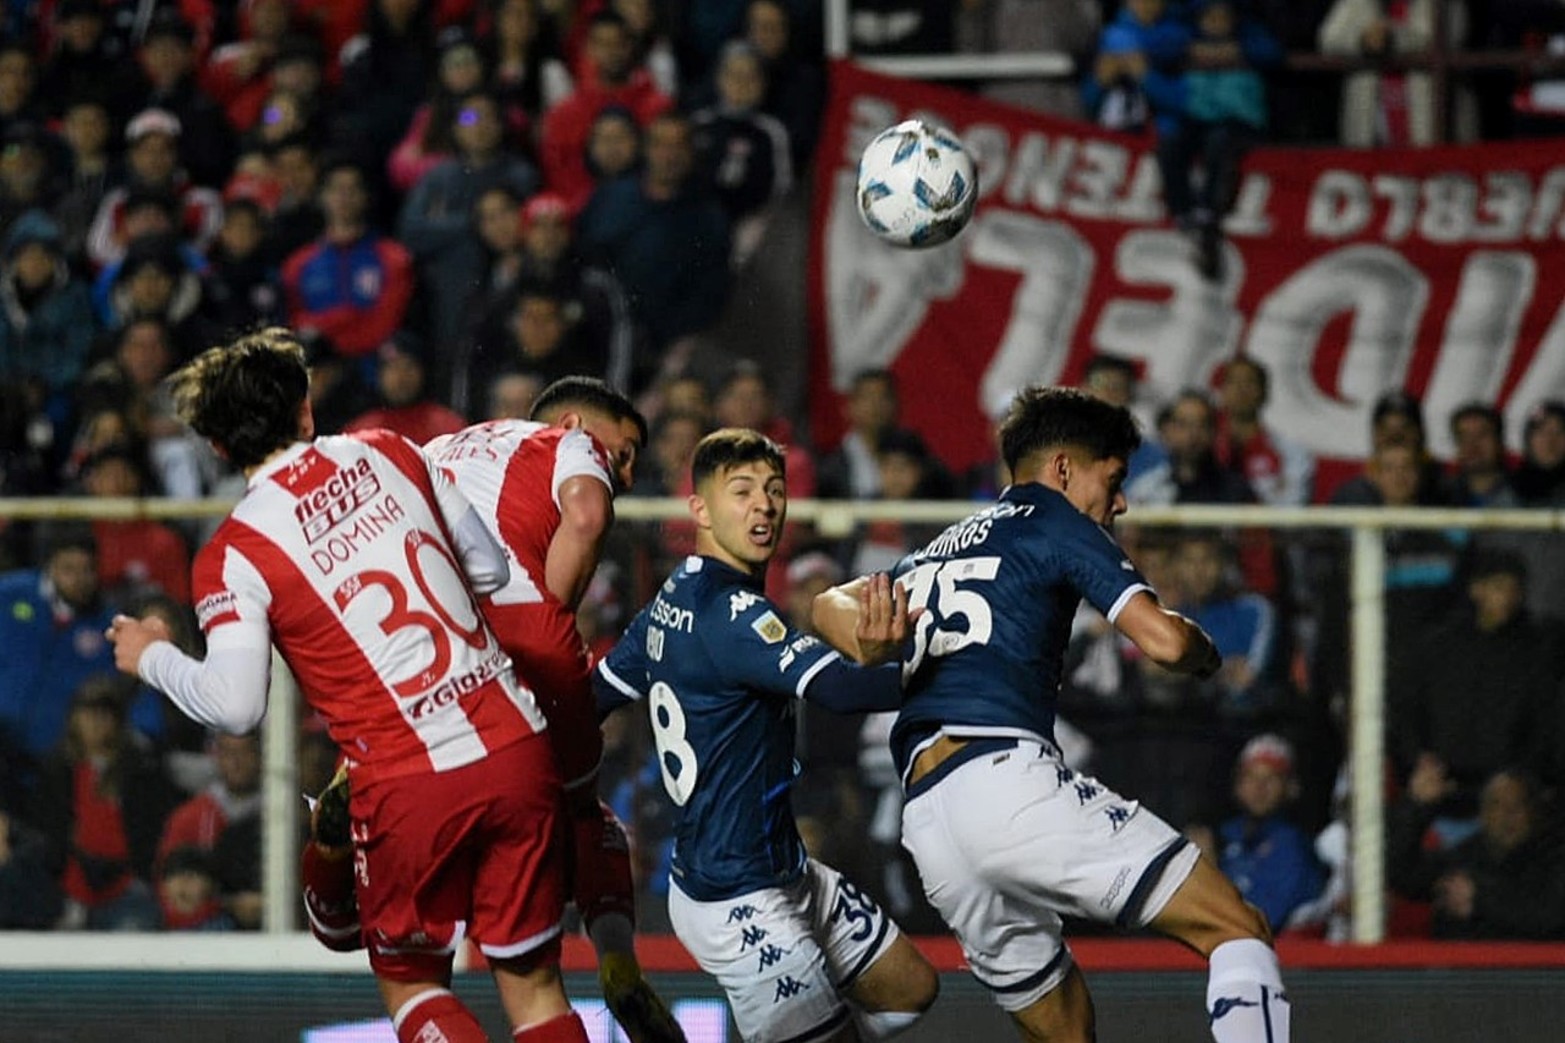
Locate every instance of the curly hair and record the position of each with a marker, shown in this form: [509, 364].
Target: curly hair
[245, 396]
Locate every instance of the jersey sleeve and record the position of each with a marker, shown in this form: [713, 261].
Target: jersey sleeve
[760, 650]
[1097, 565]
[621, 677]
[578, 453]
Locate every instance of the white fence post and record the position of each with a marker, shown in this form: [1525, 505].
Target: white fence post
[280, 804]
[1367, 729]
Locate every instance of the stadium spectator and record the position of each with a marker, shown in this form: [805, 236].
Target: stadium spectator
[1539, 481]
[1281, 472]
[1502, 882]
[741, 151]
[609, 50]
[525, 71]
[1223, 115]
[101, 802]
[851, 471]
[188, 898]
[352, 284]
[511, 396]
[29, 894]
[159, 280]
[1134, 81]
[1269, 858]
[242, 281]
[74, 68]
[152, 163]
[1479, 476]
[613, 150]
[1114, 379]
[666, 240]
[437, 219]
[386, 70]
[652, 48]
[20, 103]
[1394, 107]
[1242, 623]
[1193, 472]
[239, 75]
[1396, 419]
[51, 638]
[296, 218]
[84, 129]
[795, 81]
[405, 404]
[27, 172]
[46, 320]
[201, 823]
[163, 78]
[133, 554]
[543, 336]
[431, 134]
[1475, 696]
[674, 438]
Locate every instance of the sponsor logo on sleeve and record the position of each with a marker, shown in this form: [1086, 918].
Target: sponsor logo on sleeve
[215, 609]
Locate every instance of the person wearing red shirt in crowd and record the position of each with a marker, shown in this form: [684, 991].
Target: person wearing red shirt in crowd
[405, 407]
[232, 798]
[134, 552]
[352, 284]
[566, 128]
[360, 560]
[545, 489]
[1281, 473]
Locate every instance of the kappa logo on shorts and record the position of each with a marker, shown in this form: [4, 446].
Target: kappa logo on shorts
[1118, 816]
[751, 936]
[741, 913]
[770, 954]
[1085, 791]
[788, 988]
[1225, 1004]
[1063, 775]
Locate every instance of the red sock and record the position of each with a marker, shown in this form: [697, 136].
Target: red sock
[438, 1017]
[567, 1028]
[602, 880]
[330, 900]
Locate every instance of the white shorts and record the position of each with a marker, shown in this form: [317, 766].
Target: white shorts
[1008, 839]
[786, 955]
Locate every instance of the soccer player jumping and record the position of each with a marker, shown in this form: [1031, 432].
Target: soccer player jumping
[1007, 838]
[545, 490]
[354, 555]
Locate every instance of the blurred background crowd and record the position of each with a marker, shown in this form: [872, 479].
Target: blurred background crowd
[457, 201]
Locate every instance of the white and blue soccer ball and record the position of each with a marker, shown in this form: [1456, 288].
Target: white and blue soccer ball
[917, 185]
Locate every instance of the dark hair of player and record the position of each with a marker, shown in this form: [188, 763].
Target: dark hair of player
[586, 393]
[244, 397]
[1042, 418]
[729, 447]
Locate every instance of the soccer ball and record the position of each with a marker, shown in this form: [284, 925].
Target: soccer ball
[917, 185]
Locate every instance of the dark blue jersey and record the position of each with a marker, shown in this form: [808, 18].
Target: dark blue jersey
[720, 672]
[999, 589]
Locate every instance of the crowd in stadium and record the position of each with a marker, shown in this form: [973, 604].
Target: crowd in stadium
[458, 201]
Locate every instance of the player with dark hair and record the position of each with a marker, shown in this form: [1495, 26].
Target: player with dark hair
[802, 953]
[355, 556]
[545, 490]
[1006, 837]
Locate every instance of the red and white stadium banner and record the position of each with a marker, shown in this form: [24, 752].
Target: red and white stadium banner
[1347, 273]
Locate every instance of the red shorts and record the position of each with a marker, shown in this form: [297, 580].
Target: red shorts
[470, 852]
[551, 659]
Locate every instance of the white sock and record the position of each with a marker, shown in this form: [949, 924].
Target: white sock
[1245, 1000]
[882, 1024]
[612, 932]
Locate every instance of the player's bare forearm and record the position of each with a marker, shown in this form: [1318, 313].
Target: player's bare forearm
[835, 615]
[1169, 639]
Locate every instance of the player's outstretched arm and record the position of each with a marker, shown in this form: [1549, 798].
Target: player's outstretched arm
[866, 619]
[1169, 639]
[226, 691]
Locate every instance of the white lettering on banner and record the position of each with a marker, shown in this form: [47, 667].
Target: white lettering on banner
[1345, 275]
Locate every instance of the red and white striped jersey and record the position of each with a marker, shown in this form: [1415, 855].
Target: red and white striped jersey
[511, 472]
[341, 550]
